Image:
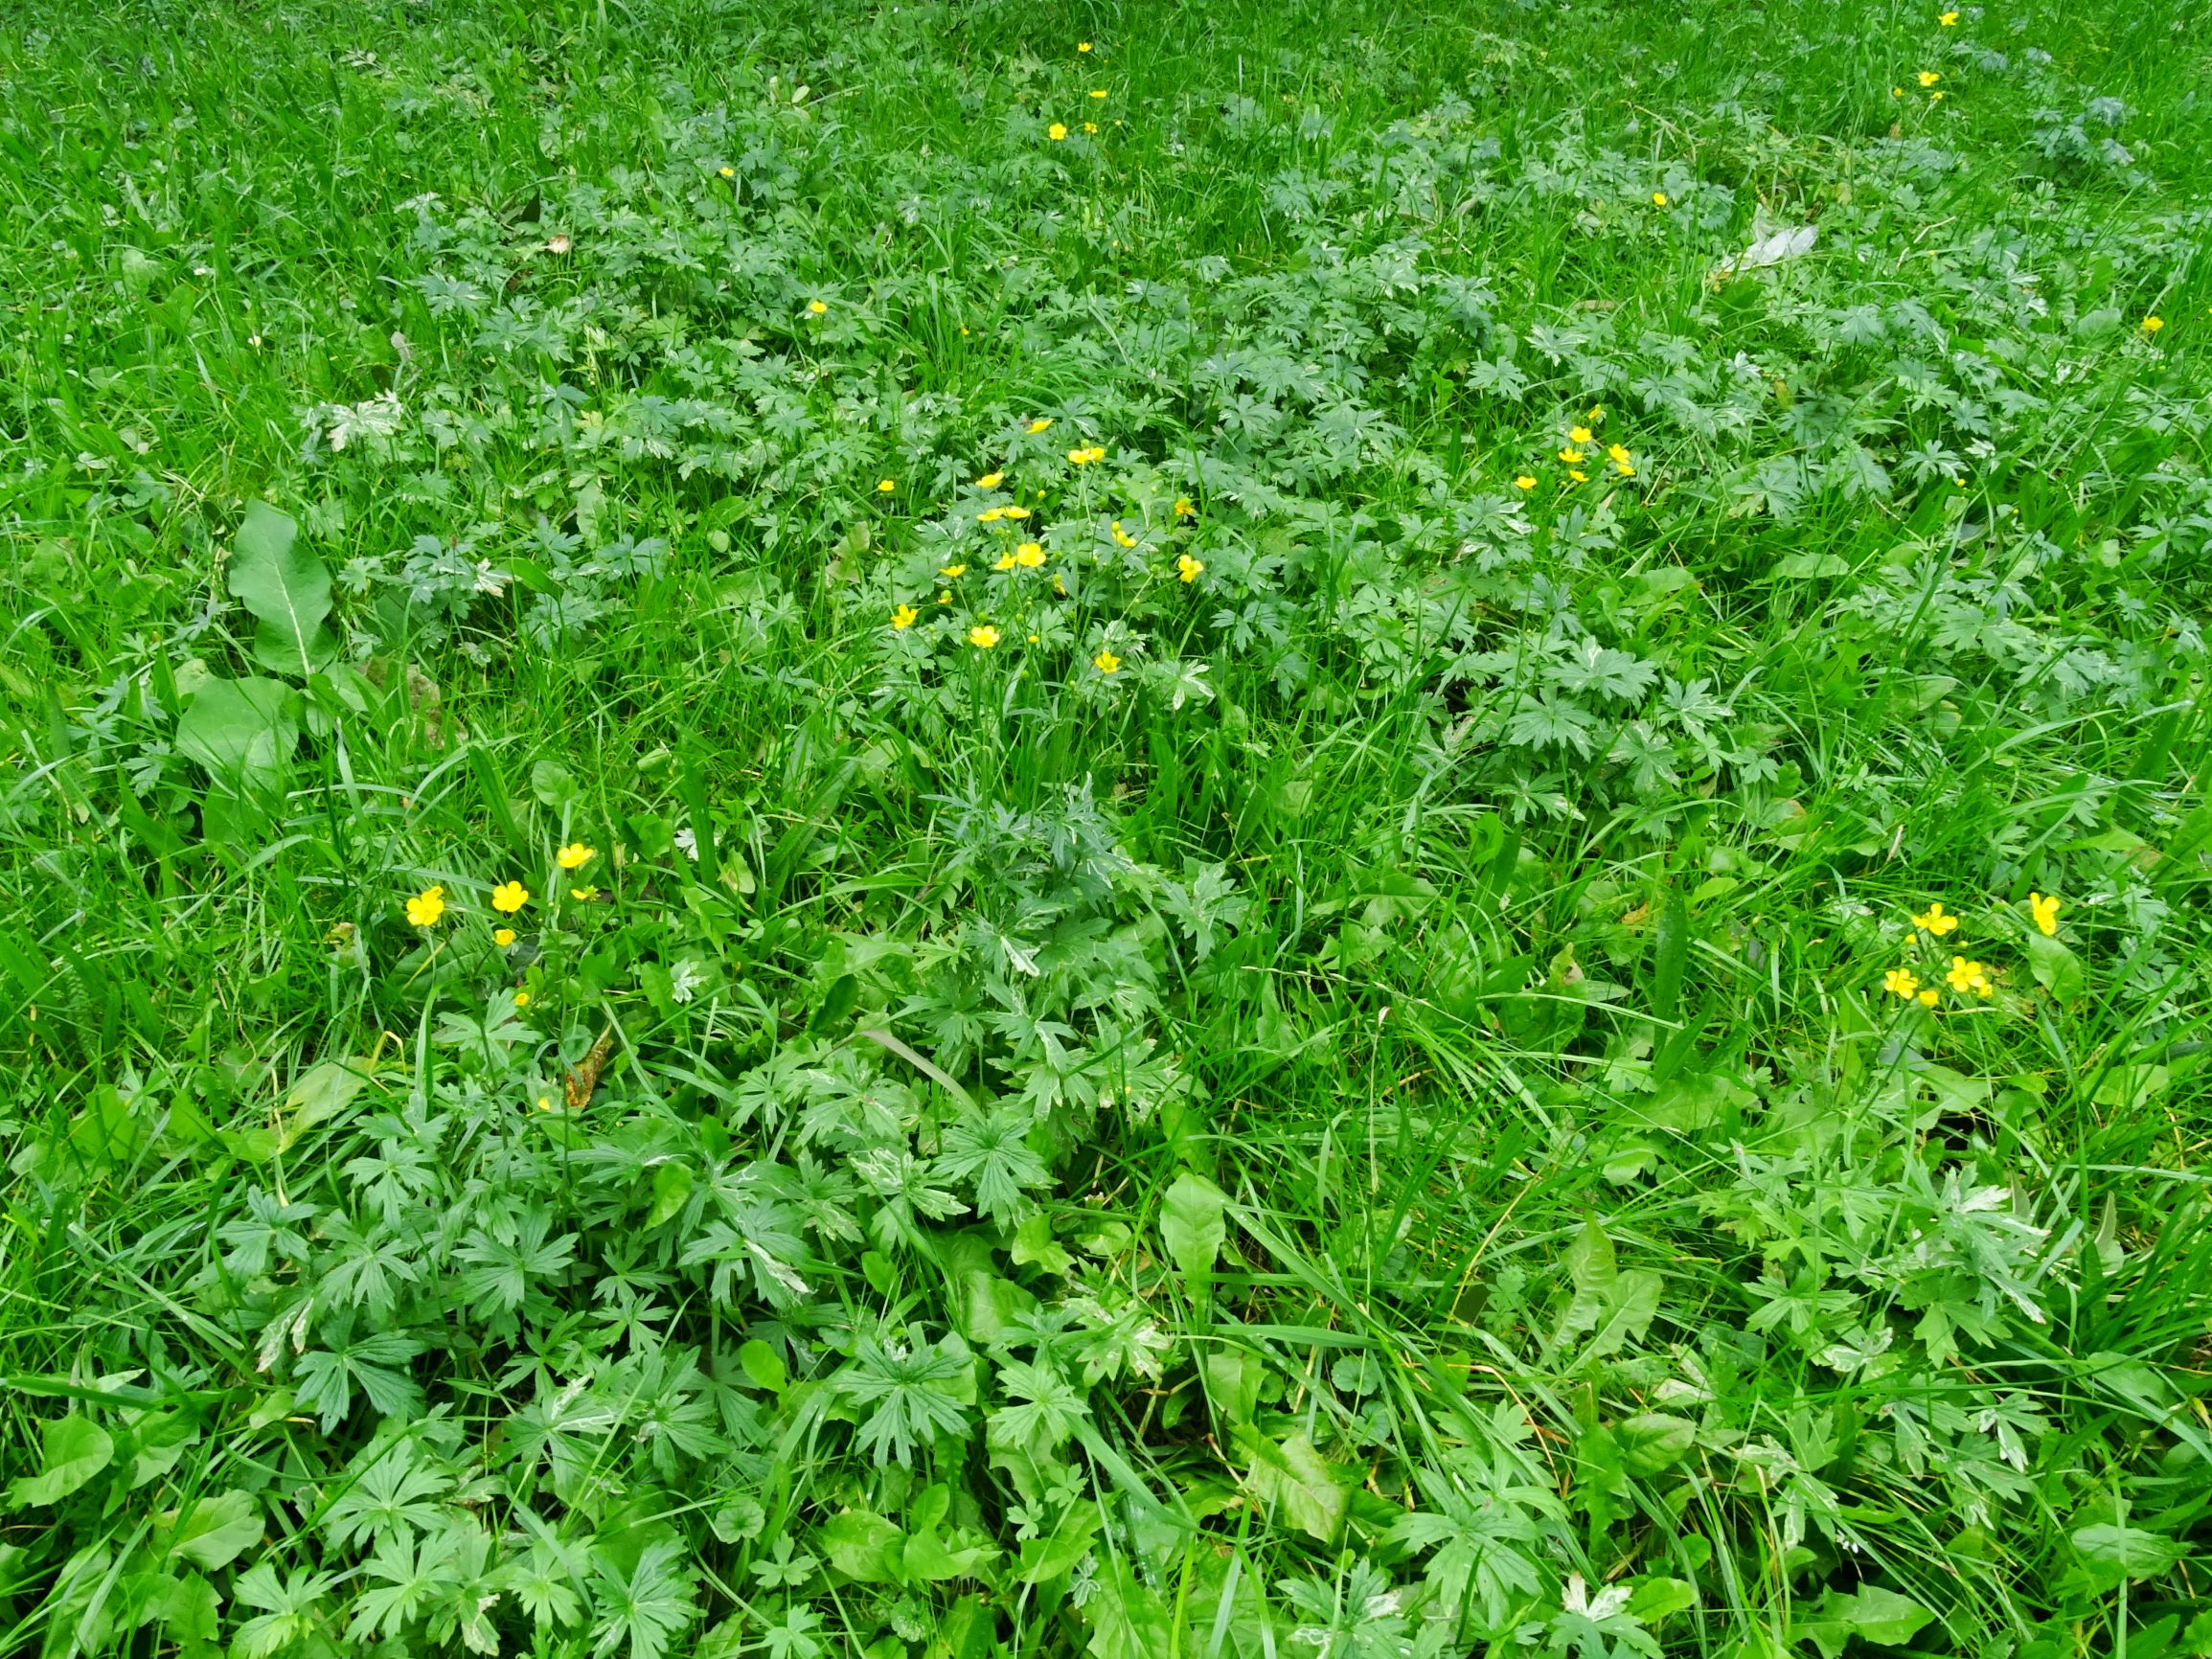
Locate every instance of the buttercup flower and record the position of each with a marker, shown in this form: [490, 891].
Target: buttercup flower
[1901, 982]
[1579, 476]
[1082, 46]
[989, 481]
[586, 894]
[1187, 567]
[521, 999]
[503, 937]
[1121, 538]
[576, 855]
[1928, 77]
[953, 571]
[884, 485]
[982, 636]
[1580, 435]
[1105, 662]
[1040, 424]
[426, 906]
[902, 617]
[1183, 507]
[1057, 131]
[1570, 455]
[817, 306]
[1029, 554]
[1091, 126]
[1005, 561]
[1625, 469]
[1098, 93]
[2045, 913]
[1934, 921]
[1965, 976]
[1658, 199]
[2152, 325]
[729, 172]
[1618, 451]
[1929, 997]
[509, 897]
[991, 515]
[1949, 19]
[1013, 513]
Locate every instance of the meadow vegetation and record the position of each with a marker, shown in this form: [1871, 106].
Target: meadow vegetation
[1237, 831]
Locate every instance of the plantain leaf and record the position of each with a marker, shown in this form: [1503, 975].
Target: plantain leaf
[287, 590]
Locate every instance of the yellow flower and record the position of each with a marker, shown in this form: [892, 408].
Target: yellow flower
[1596, 414]
[817, 306]
[1056, 131]
[729, 172]
[503, 937]
[989, 481]
[1040, 424]
[1897, 92]
[1929, 997]
[1580, 435]
[1187, 567]
[944, 598]
[982, 636]
[1082, 46]
[1901, 982]
[576, 855]
[1097, 94]
[509, 897]
[1123, 538]
[1965, 976]
[884, 485]
[1005, 561]
[1029, 554]
[426, 906]
[1928, 77]
[521, 999]
[1076, 457]
[1183, 507]
[953, 571]
[1949, 19]
[546, 1103]
[1570, 455]
[2152, 325]
[1014, 512]
[1658, 199]
[1935, 98]
[1106, 663]
[1091, 126]
[1934, 921]
[1524, 482]
[1579, 477]
[1624, 468]
[1060, 587]
[903, 616]
[1618, 451]
[2045, 912]
[586, 894]
[991, 515]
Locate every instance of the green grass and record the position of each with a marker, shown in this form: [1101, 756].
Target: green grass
[1332, 1091]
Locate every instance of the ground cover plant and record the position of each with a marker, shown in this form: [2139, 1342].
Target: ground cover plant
[965, 829]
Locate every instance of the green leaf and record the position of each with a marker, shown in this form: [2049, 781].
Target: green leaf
[1043, 1558]
[77, 1448]
[1876, 1615]
[1191, 1227]
[765, 1366]
[1296, 1479]
[2128, 1551]
[214, 1529]
[286, 589]
[865, 1546]
[1128, 1619]
[239, 730]
[2057, 969]
[1653, 1440]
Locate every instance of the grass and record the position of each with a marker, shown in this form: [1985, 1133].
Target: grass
[1338, 1045]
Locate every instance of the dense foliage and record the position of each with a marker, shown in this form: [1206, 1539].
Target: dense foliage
[1006, 829]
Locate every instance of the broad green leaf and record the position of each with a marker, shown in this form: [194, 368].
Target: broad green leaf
[1043, 1558]
[1191, 1227]
[287, 590]
[213, 1531]
[76, 1449]
[1653, 1440]
[2130, 1551]
[765, 1366]
[1128, 1619]
[864, 1546]
[239, 730]
[1661, 1598]
[1295, 1481]
[1876, 1615]
[2057, 969]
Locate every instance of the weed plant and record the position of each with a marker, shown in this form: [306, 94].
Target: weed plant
[1232, 830]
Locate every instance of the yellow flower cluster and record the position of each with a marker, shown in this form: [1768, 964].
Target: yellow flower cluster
[1966, 976]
